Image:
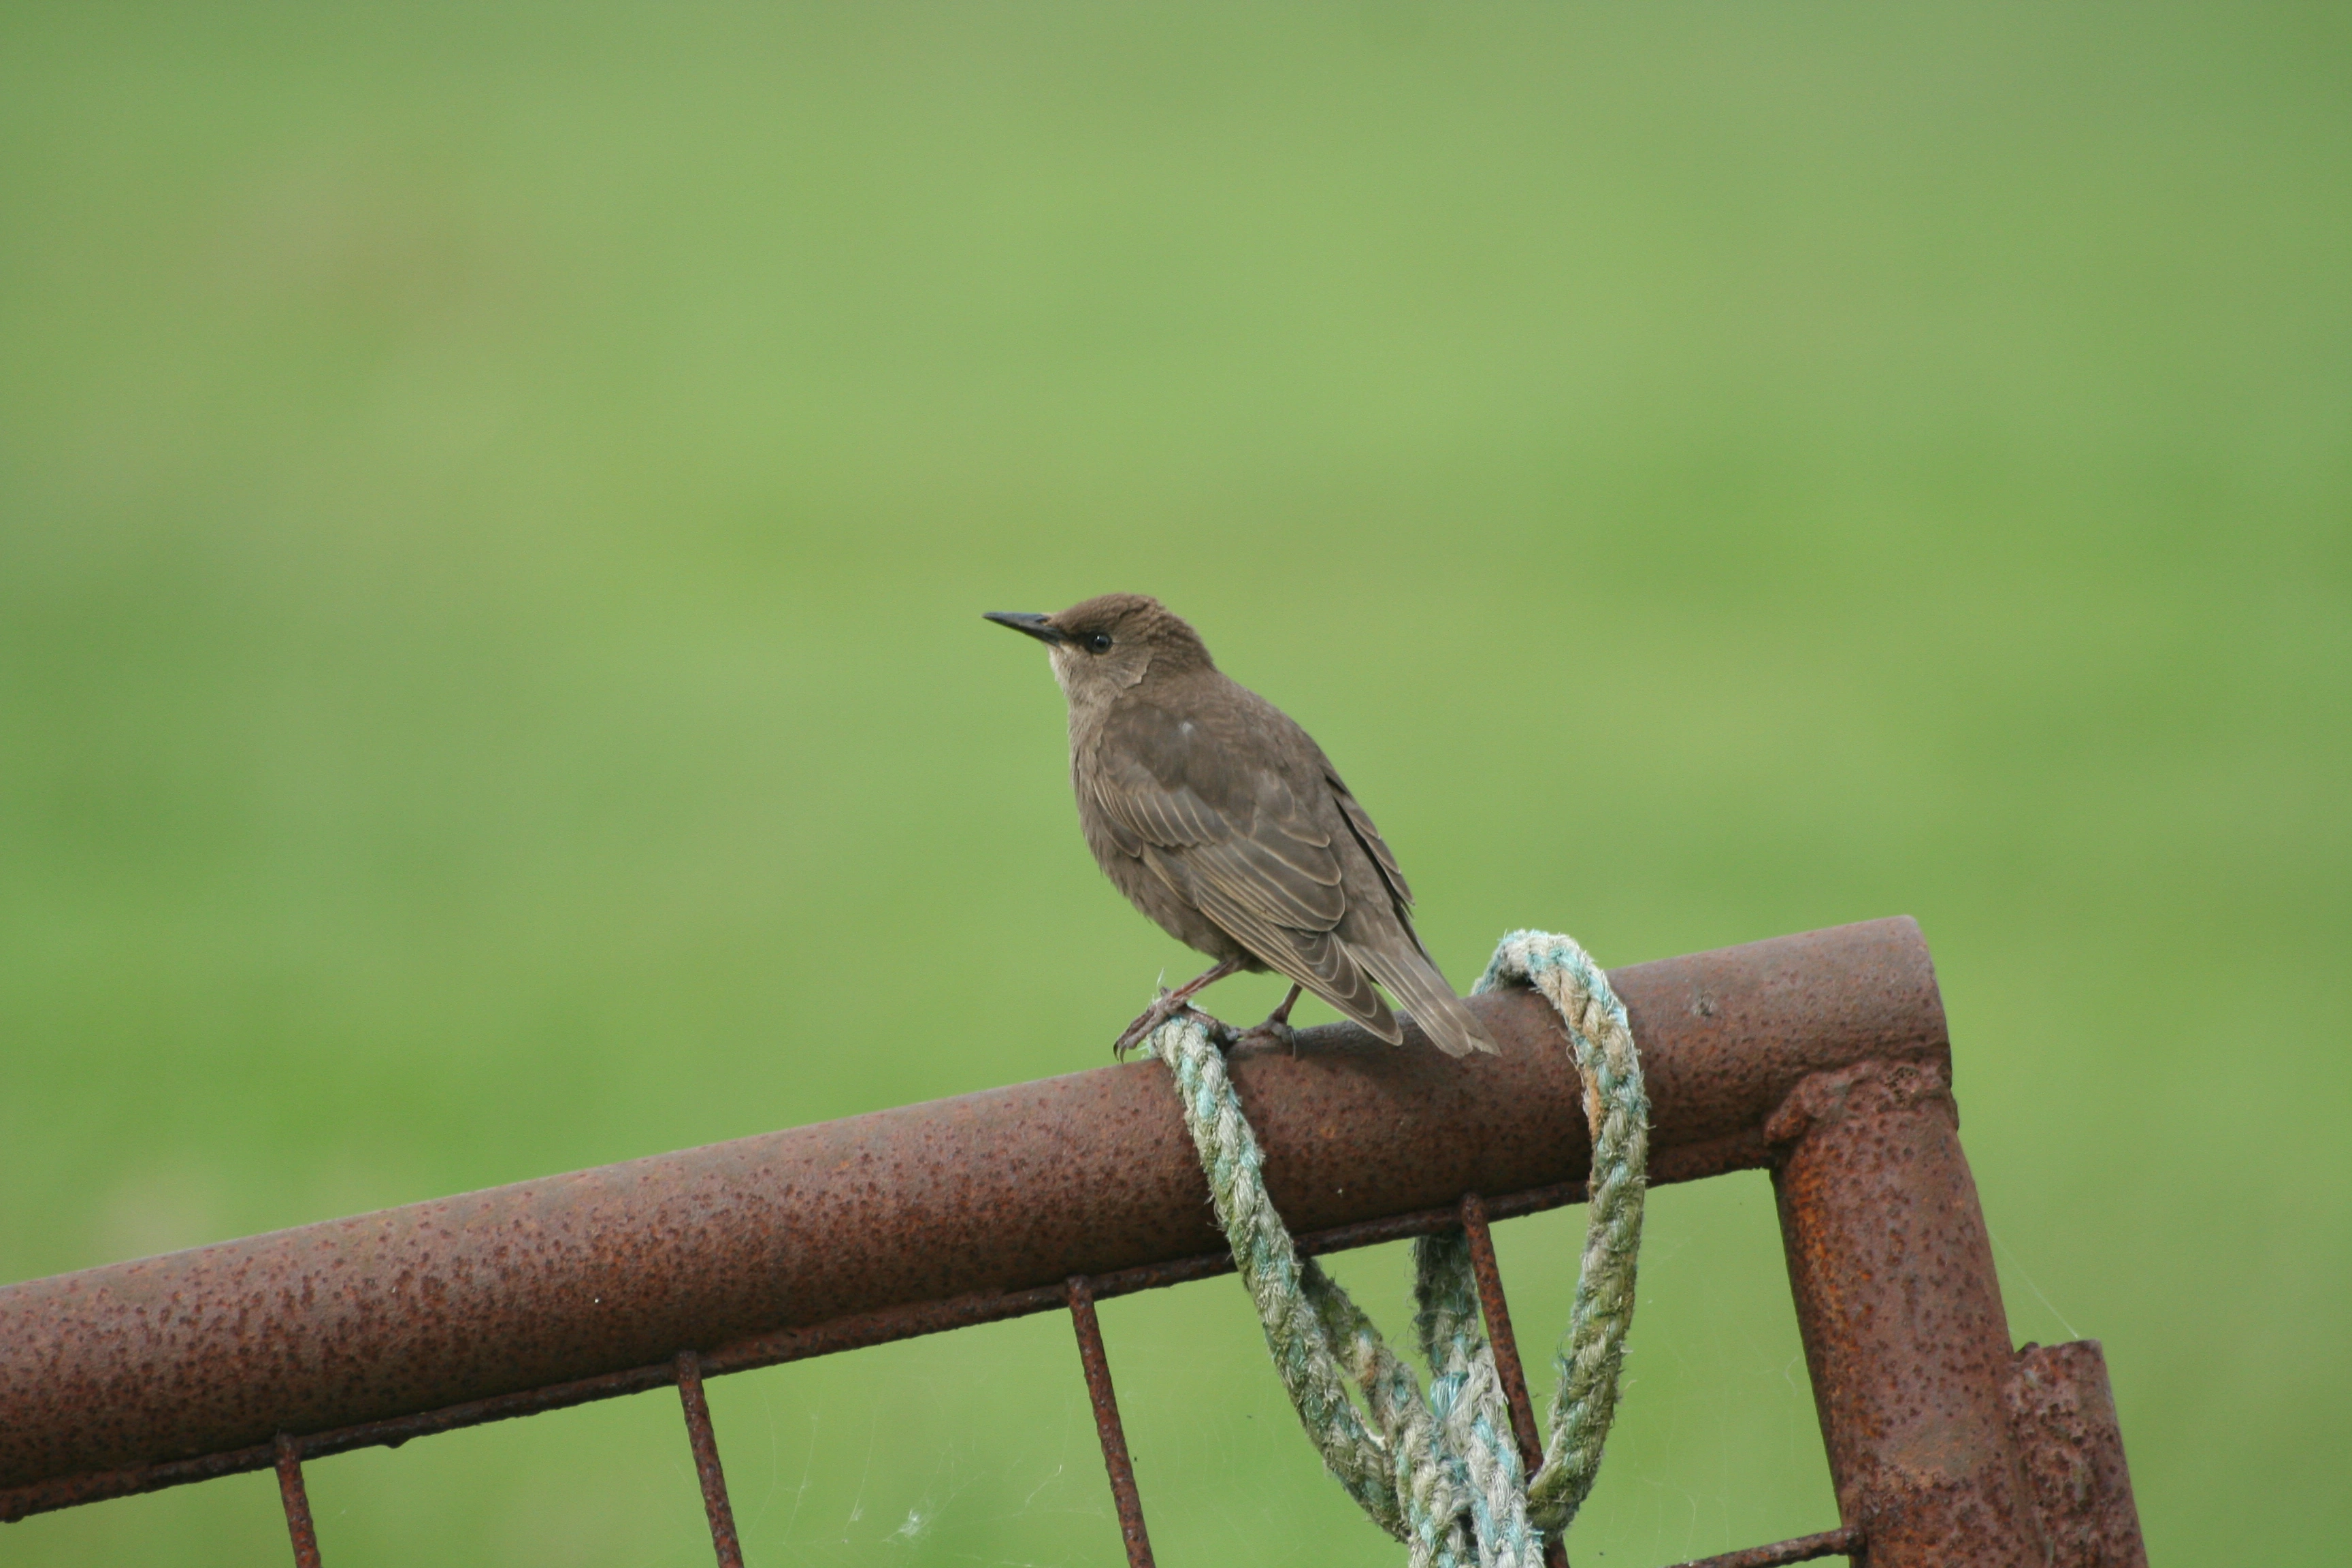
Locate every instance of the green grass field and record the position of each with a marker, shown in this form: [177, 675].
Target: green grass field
[494, 511]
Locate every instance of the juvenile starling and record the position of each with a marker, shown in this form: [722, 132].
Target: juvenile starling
[1224, 822]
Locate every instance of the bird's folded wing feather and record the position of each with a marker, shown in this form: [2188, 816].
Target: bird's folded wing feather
[1317, 960]
[1242, 847]
[1360, 822]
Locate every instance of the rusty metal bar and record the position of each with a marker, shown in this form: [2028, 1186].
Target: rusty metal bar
[1901, 1315]
[1505, 1345]
[2064, 1415]
[858, 1332]
[297, 1498]
[705, 1441]
[1804, 1548]
[1105, 1399]
[901, 1222]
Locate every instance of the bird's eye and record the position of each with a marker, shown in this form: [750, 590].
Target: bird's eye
[1099, 642]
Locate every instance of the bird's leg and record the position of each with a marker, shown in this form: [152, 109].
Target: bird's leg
[1170, 1003]
[1276, 1027]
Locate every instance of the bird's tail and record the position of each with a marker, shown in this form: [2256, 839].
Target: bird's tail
[1415, 983]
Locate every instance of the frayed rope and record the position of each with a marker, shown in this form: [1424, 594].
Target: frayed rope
[1439, 1470]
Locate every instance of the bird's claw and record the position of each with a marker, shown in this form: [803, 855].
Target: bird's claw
[1150, 1018]
[1221, 1034]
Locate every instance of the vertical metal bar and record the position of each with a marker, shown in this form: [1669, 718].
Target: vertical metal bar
[297, 1498]
[2063, 1414]
[706, 1461]
[1900, 1314]
[1505, 1345]
[1114, 1438]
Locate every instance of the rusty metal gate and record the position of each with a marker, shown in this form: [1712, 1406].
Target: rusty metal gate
[1822, 1057]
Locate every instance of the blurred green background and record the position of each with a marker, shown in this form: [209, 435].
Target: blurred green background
[494, 511]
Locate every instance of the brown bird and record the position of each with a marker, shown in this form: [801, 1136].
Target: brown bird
[1224, 822]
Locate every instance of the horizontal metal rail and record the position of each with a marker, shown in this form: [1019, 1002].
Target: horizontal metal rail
[1823, 1056]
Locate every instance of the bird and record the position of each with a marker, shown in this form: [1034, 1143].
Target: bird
[1221, 819]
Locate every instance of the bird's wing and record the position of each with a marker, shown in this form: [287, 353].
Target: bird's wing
[1359, 823]
[1319, 960]
[1236, 841]
[1397, 958]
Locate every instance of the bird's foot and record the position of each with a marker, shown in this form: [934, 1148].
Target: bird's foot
[1276, 1029]
[1275, 1032]
[1221, 1034]
[1180, 1000]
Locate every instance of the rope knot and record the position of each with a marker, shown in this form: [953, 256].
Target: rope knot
[1438, 1469]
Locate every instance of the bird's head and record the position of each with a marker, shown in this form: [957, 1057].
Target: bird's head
[1103, 646]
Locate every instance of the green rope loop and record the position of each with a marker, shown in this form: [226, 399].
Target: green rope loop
[1439, 1470]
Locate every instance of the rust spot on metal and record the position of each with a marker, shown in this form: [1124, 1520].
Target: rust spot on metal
[705, 1442]
[1105, 1399]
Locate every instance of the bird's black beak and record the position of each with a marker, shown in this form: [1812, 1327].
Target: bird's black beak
[1037, 627]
